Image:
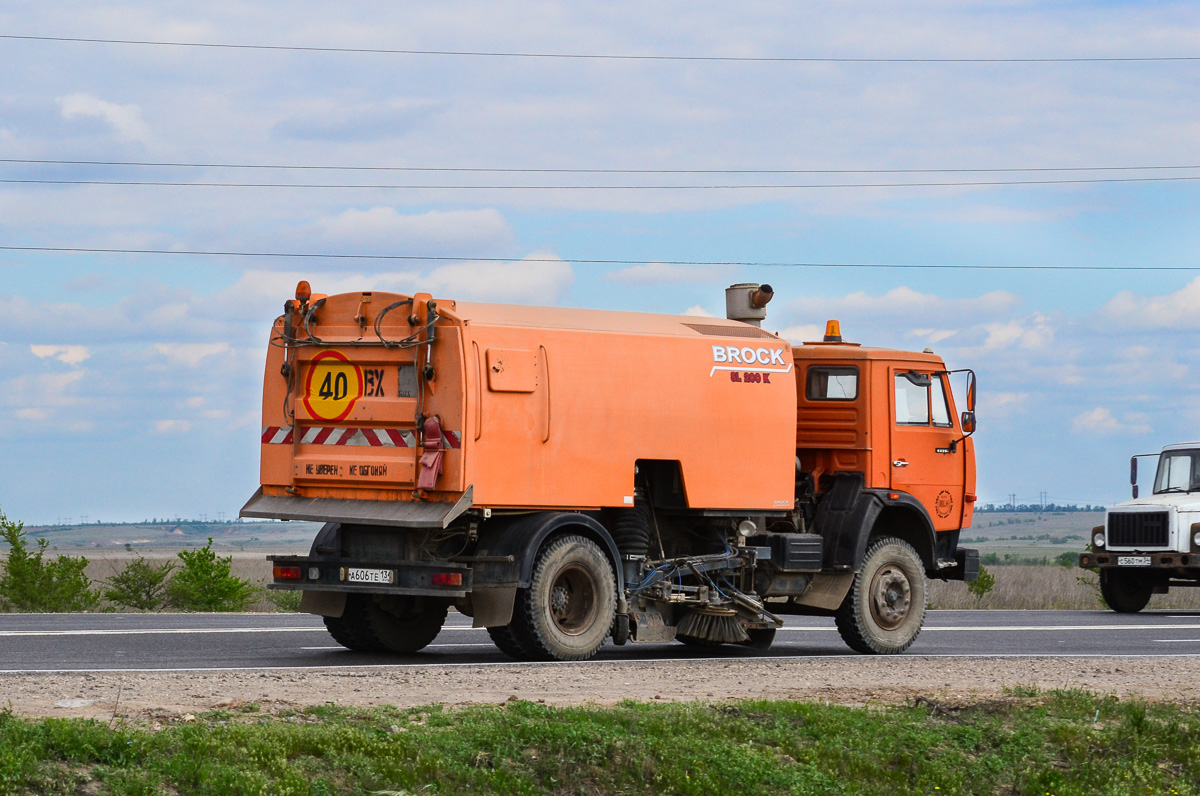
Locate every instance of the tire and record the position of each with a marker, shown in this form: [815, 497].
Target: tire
[386, 623]
[1124, 591]
[506, 639]
[351, 629]
[568, 610]
[885, 608]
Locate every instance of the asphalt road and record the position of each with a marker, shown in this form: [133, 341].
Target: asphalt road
[180, 642]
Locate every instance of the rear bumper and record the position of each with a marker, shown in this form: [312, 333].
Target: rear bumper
[414, 578]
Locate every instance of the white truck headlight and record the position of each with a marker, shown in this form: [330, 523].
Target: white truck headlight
[1098, 539]
[1196, 538]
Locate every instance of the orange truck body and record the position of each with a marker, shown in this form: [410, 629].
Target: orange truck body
[389, 416]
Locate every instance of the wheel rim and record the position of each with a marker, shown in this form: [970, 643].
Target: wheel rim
[890, 596]
[573, 600]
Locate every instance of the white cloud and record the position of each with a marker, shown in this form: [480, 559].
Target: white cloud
[126, 120]
[541, 278]
[190, 354]
[906, 303]
[665, 273]
[1172, 311]
[384, 230]
[1101, 421]
[1034, 332]
[172, 427]
[698, 312]
[933, 336]
[41, 397]
[1001, 404]
[69, 354]
[803, 333]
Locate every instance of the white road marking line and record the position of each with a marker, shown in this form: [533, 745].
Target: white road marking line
[319, 629]
[1176, 640]
[160, 631]
[431, 646]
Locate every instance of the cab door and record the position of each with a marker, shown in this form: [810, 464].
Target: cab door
[926, 462]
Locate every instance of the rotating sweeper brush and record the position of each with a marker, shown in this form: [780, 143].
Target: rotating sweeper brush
[714, 625]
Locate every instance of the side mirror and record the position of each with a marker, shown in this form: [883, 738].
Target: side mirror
[1133, 475]
[968, 422]
[971, 394]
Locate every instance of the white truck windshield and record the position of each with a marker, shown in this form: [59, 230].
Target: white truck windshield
[1178, 471]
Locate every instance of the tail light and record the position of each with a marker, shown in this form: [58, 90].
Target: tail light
[447, 579]
[287, 573]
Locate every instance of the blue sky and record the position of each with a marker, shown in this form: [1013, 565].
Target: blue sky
[129, 384]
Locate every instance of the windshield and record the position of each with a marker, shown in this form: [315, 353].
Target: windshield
[1178, 471]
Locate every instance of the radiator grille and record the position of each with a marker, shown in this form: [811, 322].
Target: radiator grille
[1139, 529]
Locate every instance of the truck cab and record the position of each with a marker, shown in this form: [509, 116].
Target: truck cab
[1151, 543]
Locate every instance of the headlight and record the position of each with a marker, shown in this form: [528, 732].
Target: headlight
[1098, 540]
[1196, 538]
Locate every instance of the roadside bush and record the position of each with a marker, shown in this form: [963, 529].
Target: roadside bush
[983, 584]
[30, 582]
[285, 601]
[140, 585]
[205, 583]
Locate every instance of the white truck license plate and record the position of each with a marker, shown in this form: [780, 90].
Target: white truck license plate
[1133, 561]
[359, 575]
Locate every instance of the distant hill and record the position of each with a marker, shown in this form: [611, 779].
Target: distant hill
[177, 534]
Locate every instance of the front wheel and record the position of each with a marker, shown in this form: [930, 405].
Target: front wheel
[1125, 592]
[568, 609]
[885, 608]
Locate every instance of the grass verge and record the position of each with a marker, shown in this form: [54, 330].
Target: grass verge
[1061, 742]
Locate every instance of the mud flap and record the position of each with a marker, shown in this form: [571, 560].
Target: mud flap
[323, 603]
[845, 518]
[492, 607]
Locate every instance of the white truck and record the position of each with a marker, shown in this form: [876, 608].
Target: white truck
[1149, 544]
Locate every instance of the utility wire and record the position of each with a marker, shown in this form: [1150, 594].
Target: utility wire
[608, 56]
[583, 261]
[481, 170]
[730, 187]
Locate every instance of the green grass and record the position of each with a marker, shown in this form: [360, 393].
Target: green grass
[1029, 743]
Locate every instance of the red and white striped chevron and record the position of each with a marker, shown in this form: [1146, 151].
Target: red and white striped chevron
[345, 435]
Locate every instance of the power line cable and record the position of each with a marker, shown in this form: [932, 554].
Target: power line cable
[589, 261]
[484, 170]
[607, 56]
[729, 187]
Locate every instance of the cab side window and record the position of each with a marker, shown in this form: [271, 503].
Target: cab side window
[912, 400]
[921, 400]
[831, 383]
[937, 401]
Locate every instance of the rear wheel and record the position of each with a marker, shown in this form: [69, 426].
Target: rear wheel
[387, 623]
[568, 609]
[885, 608]
[1125, 592]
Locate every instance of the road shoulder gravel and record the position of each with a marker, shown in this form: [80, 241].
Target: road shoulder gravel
[142, 696]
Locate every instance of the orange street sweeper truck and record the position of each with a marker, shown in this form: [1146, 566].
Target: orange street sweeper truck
[568, 476]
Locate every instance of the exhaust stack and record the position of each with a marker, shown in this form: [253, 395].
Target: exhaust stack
[747, 302]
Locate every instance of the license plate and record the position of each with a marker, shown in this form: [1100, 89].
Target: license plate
[358, 575]
[1133, 561]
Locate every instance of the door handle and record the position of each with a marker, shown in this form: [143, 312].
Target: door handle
[899, 463]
